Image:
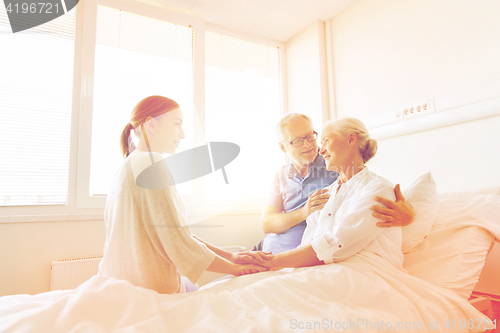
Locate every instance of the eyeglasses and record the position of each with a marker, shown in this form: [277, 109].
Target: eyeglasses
[300, 141]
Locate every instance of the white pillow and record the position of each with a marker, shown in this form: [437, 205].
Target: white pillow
[422, 196]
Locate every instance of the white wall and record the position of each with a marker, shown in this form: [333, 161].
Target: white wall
[391, 53]
[306, 74]
[461, 157]
[388, 53]
[27, 249]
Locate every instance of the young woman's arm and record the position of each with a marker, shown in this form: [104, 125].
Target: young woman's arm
[302, 256]
[246, 257]
[220, 252]
[221, 265]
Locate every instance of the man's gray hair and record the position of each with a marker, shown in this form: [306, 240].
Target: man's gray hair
[286, 119]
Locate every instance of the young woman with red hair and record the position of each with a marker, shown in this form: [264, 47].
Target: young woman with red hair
[148, 241]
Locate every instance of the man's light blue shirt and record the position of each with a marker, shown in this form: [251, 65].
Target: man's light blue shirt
[291, 191]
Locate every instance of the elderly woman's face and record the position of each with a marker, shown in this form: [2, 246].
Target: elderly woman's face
[335, 151]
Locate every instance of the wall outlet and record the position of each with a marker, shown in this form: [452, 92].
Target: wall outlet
[422, 108]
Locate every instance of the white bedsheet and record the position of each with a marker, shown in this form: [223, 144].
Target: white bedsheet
[361, 294]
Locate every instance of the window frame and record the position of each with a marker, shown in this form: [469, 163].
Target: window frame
[80, 205]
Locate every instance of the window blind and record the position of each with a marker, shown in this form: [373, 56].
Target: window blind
[243, 105]
[36, 67]
[136, 57]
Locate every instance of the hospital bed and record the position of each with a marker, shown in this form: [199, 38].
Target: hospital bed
[445, 250]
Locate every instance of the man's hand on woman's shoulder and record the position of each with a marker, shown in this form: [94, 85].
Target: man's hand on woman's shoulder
[398, 213]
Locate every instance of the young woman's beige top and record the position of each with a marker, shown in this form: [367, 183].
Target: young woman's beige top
[148, 241]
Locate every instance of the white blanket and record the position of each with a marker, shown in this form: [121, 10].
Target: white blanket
[361, 294]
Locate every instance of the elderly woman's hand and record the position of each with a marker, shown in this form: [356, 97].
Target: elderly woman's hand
[250, 269]
[399, 213]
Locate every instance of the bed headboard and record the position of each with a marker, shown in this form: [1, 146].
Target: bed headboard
[453, 255]
[488, 280]
[470, 194]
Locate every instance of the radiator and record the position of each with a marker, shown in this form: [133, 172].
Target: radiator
[70, 273]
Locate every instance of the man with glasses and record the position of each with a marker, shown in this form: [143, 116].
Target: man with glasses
[298, 189]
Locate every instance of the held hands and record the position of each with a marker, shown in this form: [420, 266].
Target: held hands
[249, 262]
[316, 201]
[399, 213]
[249, 269]
[252, 257]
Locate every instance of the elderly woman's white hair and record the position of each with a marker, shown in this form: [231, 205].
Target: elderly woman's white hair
[345, 126]
[286, 119]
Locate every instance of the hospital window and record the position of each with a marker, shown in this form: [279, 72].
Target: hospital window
[135, 57]
[36, 80]
[242, 105]
[229, 89]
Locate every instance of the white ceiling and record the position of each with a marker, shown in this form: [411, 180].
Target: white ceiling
[276, 19]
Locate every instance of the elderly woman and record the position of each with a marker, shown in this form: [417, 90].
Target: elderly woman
[346, 225]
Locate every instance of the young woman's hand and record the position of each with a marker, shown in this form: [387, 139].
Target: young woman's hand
[252, 257]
